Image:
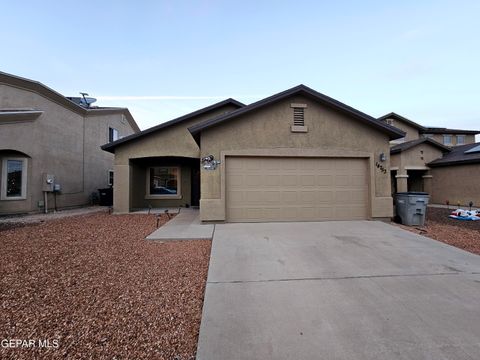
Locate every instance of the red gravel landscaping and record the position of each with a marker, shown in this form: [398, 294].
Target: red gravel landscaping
[94, 284]
[462, 234]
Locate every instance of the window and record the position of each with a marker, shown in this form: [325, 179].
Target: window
[447, 139]
[390, 122]
[112, 134]
[110, 177]
[428, 136]
[460, 139]
[163, 182]
[14, 179]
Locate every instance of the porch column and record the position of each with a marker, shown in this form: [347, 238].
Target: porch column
[427, 183]
[402, 185]
[121, 188]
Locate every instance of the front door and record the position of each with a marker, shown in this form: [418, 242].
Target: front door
[195, 186]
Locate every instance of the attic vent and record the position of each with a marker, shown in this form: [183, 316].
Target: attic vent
[298, 116]
[390, 122]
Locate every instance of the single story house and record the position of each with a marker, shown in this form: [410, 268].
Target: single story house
[50, 146]
[457, 176]
[295, 156]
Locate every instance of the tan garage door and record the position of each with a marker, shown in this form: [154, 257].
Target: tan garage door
[296, 189]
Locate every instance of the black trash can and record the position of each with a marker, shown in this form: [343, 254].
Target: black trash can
[106, 197]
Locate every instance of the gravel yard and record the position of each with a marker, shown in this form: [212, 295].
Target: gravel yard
[462, 234]
[94, 284]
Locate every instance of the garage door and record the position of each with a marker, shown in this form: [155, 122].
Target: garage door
[296, 189]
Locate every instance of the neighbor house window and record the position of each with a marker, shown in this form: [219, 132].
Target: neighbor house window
[390, 122]
[460, 139]
[110, 177]
[447, 139]
[14, 179]
[163, 181]
[112, 134]
[428, 136]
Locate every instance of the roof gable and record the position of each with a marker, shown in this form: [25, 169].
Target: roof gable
[425, 129]
[55, 96]
[410, 144]
[393, 132]
[110, 147]
[397, 117]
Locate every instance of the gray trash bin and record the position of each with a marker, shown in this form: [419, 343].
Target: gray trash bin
[411, 207]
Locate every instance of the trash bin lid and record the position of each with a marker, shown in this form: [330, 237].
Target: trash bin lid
[412, 193]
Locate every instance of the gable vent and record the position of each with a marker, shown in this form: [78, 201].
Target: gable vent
[298, 116]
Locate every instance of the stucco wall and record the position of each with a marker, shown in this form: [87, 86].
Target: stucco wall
[458, 183]
[173, 141]
[267, 131]
[469, 139]
[417, 157]
[59, 142]
[411, 132]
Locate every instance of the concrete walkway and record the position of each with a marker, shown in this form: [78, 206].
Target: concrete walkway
[51, 215]
[338, 290]
[185, 226]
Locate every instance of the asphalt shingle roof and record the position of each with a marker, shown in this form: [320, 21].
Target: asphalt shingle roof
[459, 155]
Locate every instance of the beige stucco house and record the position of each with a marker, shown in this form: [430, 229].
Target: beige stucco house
[297, 155]
[422, 161]
[44, 133]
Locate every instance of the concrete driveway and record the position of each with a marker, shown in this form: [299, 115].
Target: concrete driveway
[338, 290]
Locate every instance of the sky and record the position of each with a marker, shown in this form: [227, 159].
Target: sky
[162, 59]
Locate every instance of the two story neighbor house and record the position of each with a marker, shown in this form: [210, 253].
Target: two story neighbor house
[295, 156]
[49, 142]
[432, 159]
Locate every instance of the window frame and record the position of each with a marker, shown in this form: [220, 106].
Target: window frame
[114, 132]
[110, 179]
[451, 139]
[3, 191]
[178, 195]
[460, 137]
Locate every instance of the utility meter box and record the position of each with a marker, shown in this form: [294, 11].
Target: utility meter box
[48, 182]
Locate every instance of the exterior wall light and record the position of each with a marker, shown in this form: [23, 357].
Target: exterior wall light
[383, 157]
[209, 162]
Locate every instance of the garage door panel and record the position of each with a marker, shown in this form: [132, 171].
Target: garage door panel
[325, 180]
[289, 180]
[295, 189]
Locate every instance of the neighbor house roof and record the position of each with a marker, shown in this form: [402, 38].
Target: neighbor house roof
[51, 94]
[425, 129]
[410, 144]
[464, 154]
[436, 130]
[395, 116]
[111, 146]
[393, 132]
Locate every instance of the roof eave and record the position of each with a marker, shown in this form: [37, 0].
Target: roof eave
[454, 162]
[393, 132]
[110, 147]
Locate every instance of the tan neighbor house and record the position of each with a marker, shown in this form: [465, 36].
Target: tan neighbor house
[297, 155]
[44, 133]
[432, 160]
